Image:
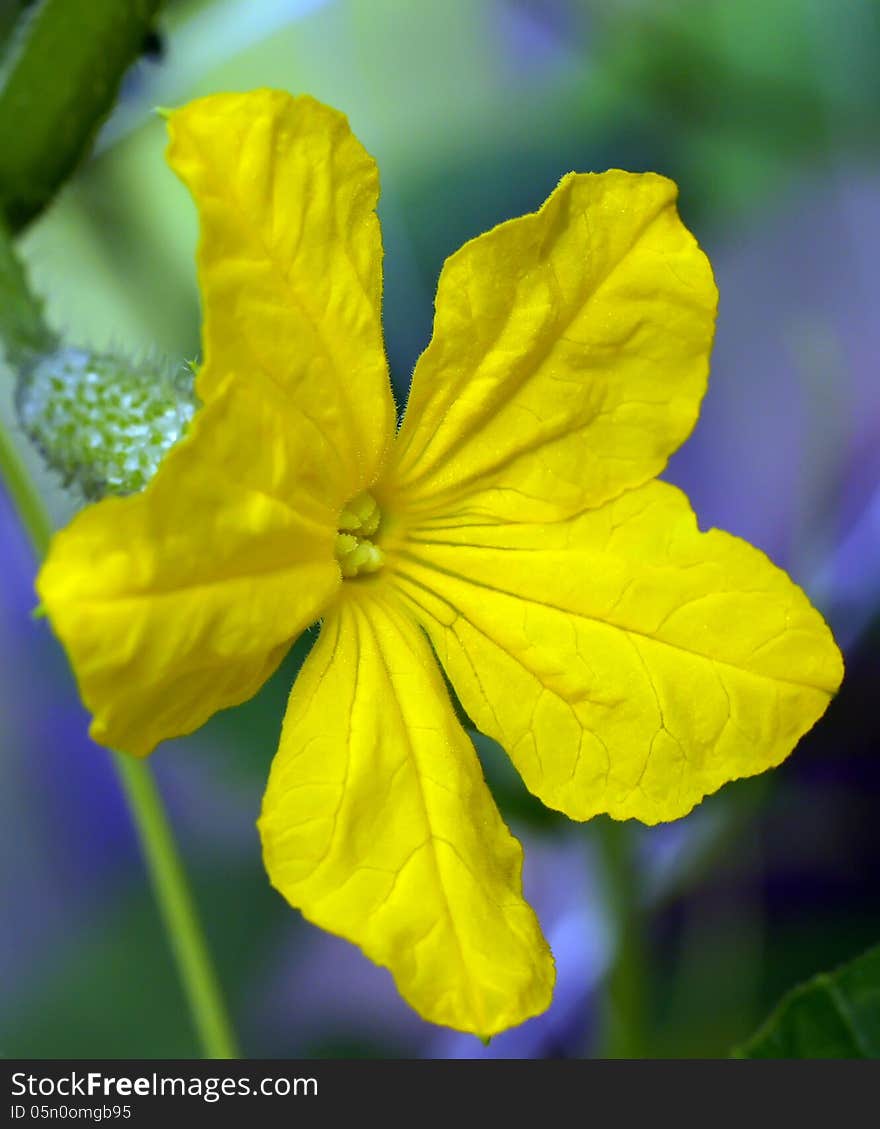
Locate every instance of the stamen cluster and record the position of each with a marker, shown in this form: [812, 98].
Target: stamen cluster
[355, 550]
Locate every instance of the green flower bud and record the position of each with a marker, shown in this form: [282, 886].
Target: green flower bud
[104, 422]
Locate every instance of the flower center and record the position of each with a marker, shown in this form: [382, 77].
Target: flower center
[358, 523]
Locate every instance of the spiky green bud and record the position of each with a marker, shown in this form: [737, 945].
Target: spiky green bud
[104, 422]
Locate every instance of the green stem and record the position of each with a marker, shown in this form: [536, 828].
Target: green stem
[163, 864]
[27, 502]
[176, 906]
[624, 1020]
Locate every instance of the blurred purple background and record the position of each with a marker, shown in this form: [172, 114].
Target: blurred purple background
[473, 115]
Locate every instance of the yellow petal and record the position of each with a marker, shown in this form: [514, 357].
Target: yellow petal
[290, 266]
[629, 663]
[568, 360]
[378, 825]
[182, 600]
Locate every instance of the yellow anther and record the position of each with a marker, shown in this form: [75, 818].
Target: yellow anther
[361, 515]
[345, 543]
[374, 559]
[349, 520]
[355, 551]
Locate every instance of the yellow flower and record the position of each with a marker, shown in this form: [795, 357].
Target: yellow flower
[512, 528]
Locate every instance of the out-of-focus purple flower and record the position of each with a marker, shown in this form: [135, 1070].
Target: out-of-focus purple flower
[538, 35]
[787, 450]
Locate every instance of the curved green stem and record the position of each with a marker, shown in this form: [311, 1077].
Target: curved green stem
[176, 906]
[166, 873]
[624, 1019]
[27, 502]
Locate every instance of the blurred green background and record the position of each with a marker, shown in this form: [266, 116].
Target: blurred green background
[765, 112]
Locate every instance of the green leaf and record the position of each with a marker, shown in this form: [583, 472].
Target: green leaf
[22, 329]
[834, 1015]
[58, 80]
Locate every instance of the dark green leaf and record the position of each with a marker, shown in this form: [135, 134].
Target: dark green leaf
[834, 1015]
